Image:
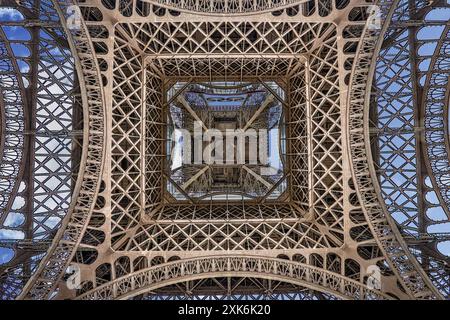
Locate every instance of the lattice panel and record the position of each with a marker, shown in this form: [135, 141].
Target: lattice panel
[215, 6]
[227, 37]
[299, 140]
[222, 236]
[12, 116]
[298, 273]
[133, 226]
[396, 111]
[53, 145]
[320, 102]
[326, 137]
[228, 212]
[50, 137]
[50, 67]
[437, 144]
[235, 289]
[127, 137]
[238, 68]
[154, 139]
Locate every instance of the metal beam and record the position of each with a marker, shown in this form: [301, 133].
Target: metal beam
[267, 102]
[258, 177]
[186, 105]
[195, 177]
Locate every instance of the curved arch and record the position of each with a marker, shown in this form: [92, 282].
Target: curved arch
[405, 266]
[435, 98]
[14, 149]
[233, 266]
[218, 7]
[13, 121]
[234, 288]
[64, 244]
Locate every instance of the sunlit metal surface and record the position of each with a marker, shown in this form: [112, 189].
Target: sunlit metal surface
[98, 99]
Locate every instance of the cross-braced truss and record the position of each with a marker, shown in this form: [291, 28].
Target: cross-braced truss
[85, 171]
[233, 288]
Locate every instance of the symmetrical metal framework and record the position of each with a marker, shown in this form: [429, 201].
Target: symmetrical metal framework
[91, 93]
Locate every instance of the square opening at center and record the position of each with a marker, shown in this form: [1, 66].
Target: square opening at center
[226, 141]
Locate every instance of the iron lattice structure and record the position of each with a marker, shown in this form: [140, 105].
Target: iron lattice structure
[91, 91]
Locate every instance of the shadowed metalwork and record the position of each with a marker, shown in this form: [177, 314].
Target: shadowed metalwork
[100, 101]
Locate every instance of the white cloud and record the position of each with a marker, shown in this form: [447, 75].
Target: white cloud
[7, 234]
[9, 14]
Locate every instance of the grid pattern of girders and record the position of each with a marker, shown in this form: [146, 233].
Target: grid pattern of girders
[397, 123]
[41, 107]
[235, 289]
[411, 151]
[311, 225]
[259, 110]
[179, 39]
[130, 284]
[336, 221]
[435, 120]
[215, 6]
[14, 123]
[428, 272]
[127, 231]
[223, 49]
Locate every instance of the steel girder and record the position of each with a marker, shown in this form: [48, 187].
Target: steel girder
[333, 224]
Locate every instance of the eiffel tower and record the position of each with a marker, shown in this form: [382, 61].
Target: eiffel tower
[336, 180]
